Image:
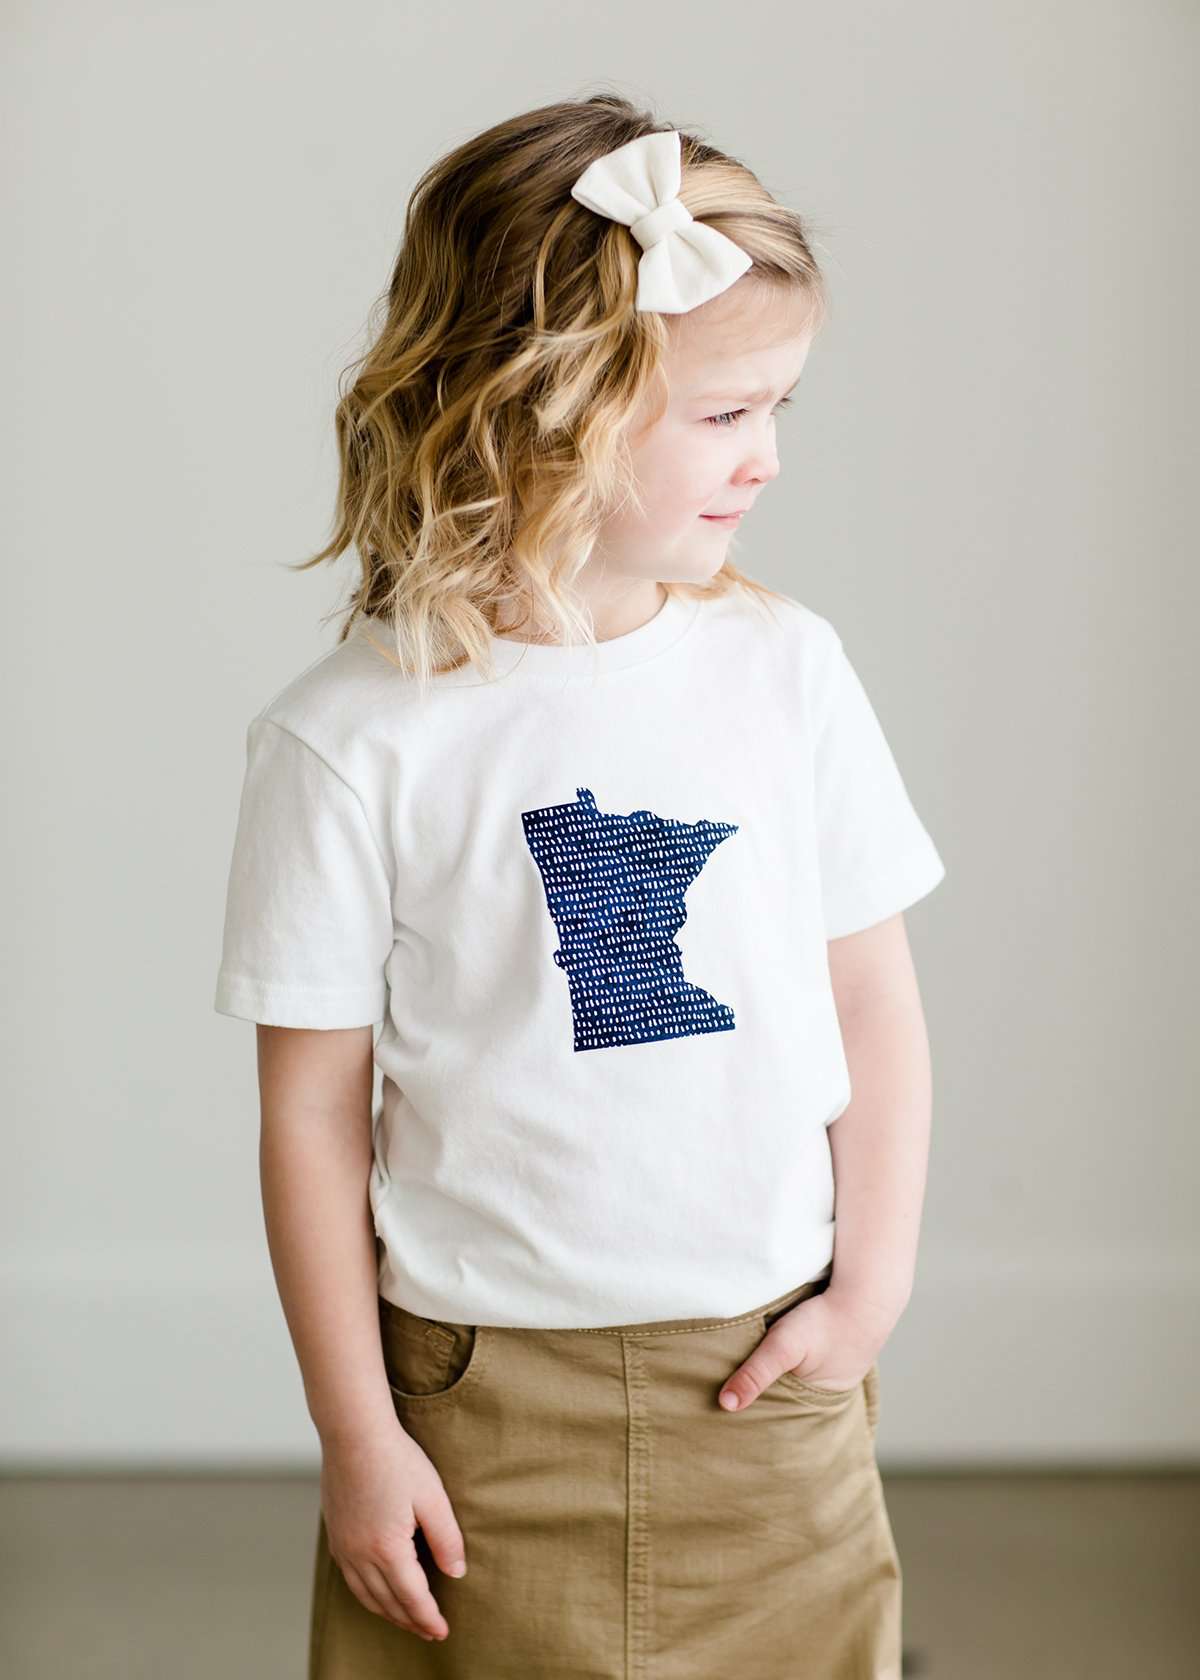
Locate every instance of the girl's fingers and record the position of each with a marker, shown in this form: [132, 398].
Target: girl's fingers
[440, 1527]
[405, 1580]
[770, 1359]
[367, 1598]
[402, 1607]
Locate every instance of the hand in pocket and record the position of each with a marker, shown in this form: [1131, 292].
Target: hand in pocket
[822, 1342]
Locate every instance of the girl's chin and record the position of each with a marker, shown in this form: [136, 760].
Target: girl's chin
[699, 567]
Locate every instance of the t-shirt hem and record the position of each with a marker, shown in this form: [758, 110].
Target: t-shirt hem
[277, 1004]
[875, 901]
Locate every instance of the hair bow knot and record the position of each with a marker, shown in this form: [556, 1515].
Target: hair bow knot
[684, 262]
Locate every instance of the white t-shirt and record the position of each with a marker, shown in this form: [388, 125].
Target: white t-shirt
[588, 902]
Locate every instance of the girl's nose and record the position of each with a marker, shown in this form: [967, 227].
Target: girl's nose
[759, 467]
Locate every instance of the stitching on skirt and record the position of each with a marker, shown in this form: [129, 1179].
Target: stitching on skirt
[705, 1323]
[637, 1483]
[682, 1330]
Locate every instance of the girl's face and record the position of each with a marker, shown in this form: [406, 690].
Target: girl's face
[732, 363]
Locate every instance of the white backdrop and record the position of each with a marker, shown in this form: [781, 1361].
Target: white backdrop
[987, 486]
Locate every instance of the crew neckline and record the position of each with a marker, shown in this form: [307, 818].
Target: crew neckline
[511, 655]
[518, 661]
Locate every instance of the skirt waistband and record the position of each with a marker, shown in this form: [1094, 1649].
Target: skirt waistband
[659, 1326]
[681, 1326]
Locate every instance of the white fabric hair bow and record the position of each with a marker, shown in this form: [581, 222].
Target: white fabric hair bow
[684, 262]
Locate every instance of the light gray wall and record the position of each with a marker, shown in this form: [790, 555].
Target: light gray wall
[988, 487]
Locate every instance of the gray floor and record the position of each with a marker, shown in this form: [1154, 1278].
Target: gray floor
[1006, 1577]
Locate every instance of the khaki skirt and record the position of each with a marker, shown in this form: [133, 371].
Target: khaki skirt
[620, 1524]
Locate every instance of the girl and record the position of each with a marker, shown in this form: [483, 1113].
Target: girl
[606, 839]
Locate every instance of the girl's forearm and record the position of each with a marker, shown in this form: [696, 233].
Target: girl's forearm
[880, 1146]
[315, 1170]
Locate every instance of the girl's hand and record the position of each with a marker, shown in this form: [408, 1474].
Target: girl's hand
[828, 1340]
[375, 1491]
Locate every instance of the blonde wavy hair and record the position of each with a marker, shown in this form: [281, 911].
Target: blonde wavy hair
[482, 439]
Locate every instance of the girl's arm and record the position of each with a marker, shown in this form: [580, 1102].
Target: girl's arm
[315, 1159]
[880, 1142]
[377, 1485]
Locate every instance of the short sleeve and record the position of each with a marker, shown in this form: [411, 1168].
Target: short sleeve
[875, 855]
[308, 912]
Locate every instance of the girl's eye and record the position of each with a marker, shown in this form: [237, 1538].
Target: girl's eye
[733, 415]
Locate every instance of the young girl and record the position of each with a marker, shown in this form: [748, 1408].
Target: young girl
[606, 839]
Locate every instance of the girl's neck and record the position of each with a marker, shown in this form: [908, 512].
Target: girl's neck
[615, 612]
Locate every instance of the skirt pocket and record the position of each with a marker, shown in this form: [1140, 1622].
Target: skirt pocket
[817, 1393]
[428, 1360]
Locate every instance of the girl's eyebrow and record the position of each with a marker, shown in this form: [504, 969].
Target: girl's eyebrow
[745, 396]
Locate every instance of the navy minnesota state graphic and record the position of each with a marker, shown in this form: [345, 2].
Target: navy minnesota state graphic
[615, 889]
